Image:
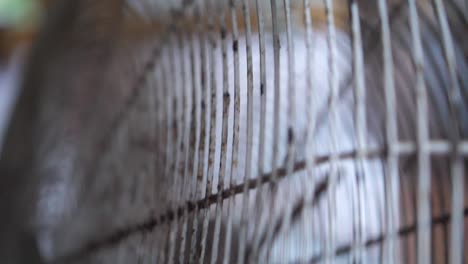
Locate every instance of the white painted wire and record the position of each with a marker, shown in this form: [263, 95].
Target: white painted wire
[360, 116]
[457, 169]
[424, 179]
[248, 156]
[211, 60]
[276, 126]
[333, 173]
[235, 150]
[223, 172]
[262, 131]
[391, 137]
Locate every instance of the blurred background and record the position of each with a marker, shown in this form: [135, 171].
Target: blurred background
[19, 22]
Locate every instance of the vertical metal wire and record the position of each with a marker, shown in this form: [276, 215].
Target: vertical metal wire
[334, 158]
[154, 159]
[199, 157]
[235, 149]
[211, 60]
[276, 124]
[262, 132]
[176, 129]
[226, 102]
[391, 177]
[141, 112]
[153, 127]
[206, 132]
[159, 148]
[183, 144]
[184, 93]
[195, 137]
[455, 97]
[204, 137]
[162, 149]
[291, 91]
[248, 147]
[291, 125]
[170, 161]
[161, 88]
[424, 180]
[360, 117]
[158, 151]
[179, 105]
[310, 182]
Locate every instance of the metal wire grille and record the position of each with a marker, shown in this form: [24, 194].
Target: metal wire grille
[287, 132]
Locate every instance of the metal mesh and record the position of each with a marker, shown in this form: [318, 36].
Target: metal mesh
[283, 132]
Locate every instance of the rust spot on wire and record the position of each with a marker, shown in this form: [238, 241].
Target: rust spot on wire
[235, 45]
